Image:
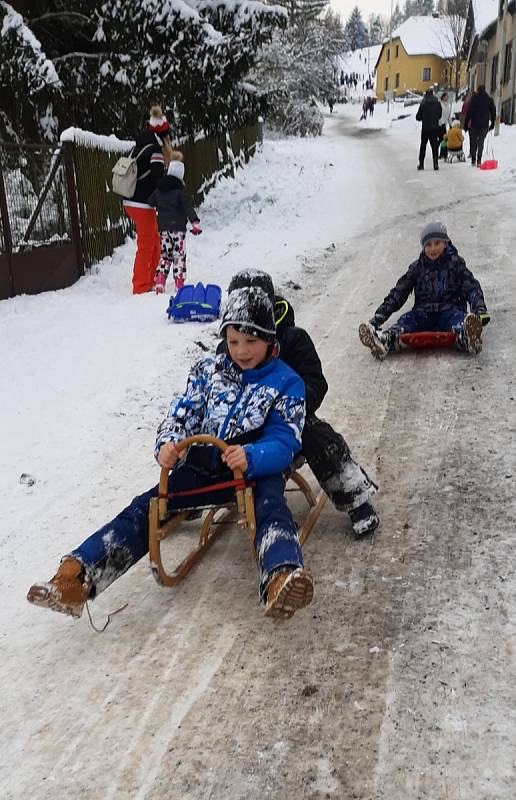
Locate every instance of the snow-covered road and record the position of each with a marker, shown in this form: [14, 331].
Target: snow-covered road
[399, 681]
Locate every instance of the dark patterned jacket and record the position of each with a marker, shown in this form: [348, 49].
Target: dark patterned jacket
[262, 409]
[437, 286]
[173, 203]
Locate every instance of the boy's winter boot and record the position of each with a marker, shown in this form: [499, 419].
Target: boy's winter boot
[160, 281]
[472, 333]
[369, 337]
[287, 592]
[364, 519]
[66, 592]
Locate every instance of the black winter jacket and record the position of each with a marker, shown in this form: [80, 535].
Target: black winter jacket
[173, 203]
[150, 165]
[481, 111]
[298, 351]
[437, 286]
[429, 113]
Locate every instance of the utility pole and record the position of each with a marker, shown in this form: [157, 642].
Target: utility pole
[501, 67]
[390, 60]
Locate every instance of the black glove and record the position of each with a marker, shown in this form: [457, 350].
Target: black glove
[484, 317]
[376, 322]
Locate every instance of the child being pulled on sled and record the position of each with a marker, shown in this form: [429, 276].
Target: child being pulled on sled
[174, 207]
[443, 287]
[454, 139]
[256, 403]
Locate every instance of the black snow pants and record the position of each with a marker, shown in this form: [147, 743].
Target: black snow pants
[329, 458]
[432, 137]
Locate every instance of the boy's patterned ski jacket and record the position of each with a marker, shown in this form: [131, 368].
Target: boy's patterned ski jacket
[437, 286]
[262, 409]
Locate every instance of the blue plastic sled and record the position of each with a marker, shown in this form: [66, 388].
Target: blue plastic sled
[195, 303]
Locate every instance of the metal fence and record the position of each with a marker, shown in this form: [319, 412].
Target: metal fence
[38, 250]
[58, 213]
[104, 225]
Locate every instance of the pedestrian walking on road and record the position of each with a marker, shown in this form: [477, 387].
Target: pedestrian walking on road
[429, 113]
[481, 117]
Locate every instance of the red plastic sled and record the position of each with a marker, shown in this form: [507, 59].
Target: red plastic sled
[491, 163]
[428, 339]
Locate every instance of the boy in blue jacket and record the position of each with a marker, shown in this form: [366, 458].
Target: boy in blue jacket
[251, 400]
[443, 287]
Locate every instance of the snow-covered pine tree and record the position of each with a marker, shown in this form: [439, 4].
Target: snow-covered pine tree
[377, 29]
[397, 18]
[109, 59]
[355, 31]
[418, 8]
[301, 12]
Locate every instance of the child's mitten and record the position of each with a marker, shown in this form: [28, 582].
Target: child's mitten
[196, 228]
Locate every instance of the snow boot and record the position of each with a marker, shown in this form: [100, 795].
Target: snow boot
[370, 337]
[287, 592]
[364, 519]
[472, 333]
[66, 592]
[160, 280]
[180, 282]
[436, 163]
[420, 166]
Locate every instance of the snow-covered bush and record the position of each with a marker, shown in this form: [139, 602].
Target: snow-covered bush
[300, 119]
[99, 65]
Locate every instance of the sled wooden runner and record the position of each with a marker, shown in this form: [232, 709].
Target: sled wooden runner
[217, 518]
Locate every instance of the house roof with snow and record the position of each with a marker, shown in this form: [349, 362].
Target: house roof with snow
[423, 36]
[485, 13]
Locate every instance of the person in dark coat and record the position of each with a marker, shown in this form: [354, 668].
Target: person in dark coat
[480, 118]
[443, 287]
[175, 207]
[328, 455]
[151, 147]
[429, 113]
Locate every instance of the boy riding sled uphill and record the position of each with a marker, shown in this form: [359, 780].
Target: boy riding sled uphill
[443, 287]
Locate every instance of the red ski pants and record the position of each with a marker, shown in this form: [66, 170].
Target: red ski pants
[147, 247]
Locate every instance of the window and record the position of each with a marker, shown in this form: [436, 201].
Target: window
[397, 79]
[427, 73]
[507, 62]
[386, 84]
[494, 72]
[388, 54]
[397, 51]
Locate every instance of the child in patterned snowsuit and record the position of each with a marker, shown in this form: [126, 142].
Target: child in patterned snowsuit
[253, 401]
[174, 208]
[443, 287]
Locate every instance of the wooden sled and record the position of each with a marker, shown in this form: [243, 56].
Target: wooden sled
[217, 518]
[424, 339]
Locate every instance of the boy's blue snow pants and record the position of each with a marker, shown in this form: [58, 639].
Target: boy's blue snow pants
[450, 319]
[115, 547]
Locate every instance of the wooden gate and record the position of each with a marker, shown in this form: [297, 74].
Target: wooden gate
[40, 245]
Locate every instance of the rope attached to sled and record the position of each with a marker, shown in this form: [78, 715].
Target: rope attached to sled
[236, 483]
[112, 614]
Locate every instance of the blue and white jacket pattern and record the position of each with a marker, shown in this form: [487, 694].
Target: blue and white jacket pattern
[264, 405]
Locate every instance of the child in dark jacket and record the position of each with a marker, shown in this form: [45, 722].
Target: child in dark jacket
[443, 287]
[175, 207]
[253, 401]
[329, 457]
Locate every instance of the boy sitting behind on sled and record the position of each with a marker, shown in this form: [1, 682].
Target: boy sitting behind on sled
[255, 403]
[454, 138]
[442, 286]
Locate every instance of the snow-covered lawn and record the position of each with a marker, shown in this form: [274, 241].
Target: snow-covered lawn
[87, 374]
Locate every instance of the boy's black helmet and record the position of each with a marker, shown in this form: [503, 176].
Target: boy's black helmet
[249, 310]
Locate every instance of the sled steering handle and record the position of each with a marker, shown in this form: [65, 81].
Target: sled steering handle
[200, 438]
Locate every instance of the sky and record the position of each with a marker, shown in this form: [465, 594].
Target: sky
[345, 7]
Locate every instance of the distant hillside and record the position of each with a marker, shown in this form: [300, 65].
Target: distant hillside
[360, 61]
